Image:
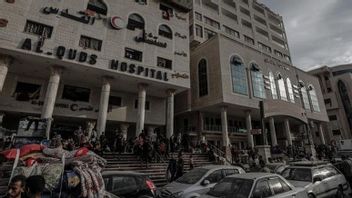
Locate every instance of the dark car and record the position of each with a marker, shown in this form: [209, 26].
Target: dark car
[128, 184]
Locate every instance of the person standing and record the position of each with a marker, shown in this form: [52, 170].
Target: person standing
[171, 169]
[179, 166]
[35, 186]
[16, 187]
[191, 162]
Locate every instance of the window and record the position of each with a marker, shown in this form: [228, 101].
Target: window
[165, 31]
[115, 101]
[147, 105]
[38, 29]
[90, 43]
[332, 117]
[135, 21]
[290, 90]
[231, 32]
[249, 40]
[76, 93]
[215, 177]
[167, 12]
[208, 33]
[304, 96]
[97, 6]
[345, 100]
[257, 81]
[246, 24]
[198, 16]
[203, 78]
[282, 88]
[239, 76]
[245, 11]
[124, 185]
[277, 53]
[314, 99]
[164, 63]
[133, 54]
[199, 31]
[328, 102]
[212, 22]
[273, 86]
[27, 91]
[262, 189]
[264, 47]
[276, 185]
[228, 172]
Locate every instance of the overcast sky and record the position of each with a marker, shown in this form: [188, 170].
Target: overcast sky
[319, 31]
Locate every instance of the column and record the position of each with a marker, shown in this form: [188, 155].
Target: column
[273, 131]
[170, 113]
[124, 130]
[249, 129]
[224, 127]
[288, 131]
[321, 133]
[4, 64]
[103, 105]
[142, 93]
[50, 97]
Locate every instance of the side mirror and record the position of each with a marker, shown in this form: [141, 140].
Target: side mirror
[316, 179]
[205, 182]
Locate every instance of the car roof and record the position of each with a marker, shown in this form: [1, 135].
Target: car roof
[107, 173]
[219, 167]
[309, 164]
[253, 175]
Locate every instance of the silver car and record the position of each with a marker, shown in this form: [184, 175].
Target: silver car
[320, 179]
[198, 181]
[255, 185]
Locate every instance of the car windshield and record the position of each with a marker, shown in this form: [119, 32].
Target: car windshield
[232, 188]
[192, 176]
[298, 174]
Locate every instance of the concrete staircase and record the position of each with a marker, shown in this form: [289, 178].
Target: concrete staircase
[156, 171]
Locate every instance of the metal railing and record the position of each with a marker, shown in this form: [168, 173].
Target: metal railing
[219, 153]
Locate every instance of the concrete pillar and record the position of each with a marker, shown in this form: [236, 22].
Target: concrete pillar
[170, 113]
[4, 64]
[50, 97]
[273, 131]
[321, 133]
[224, 127]
[124, 130]
[288, 131]
[103, 105]
[142, 93]
[249, 129]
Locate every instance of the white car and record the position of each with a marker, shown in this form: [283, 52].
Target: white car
[255, 185]
[320, 179]
[198, 181]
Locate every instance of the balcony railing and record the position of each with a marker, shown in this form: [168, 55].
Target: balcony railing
[219, 128]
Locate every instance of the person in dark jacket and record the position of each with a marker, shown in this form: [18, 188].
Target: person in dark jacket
[179, 166]
[171, 168]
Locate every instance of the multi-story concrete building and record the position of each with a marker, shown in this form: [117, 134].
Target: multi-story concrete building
[336, 85]
[239, 57]
[115, 64]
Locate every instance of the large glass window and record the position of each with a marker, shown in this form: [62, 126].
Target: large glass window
[202, 78]
[165, 31]
[282, 88]
[273, 86]
[135, 21]
[239, 76]
[257, 81]
[304, 96]
[97, 6]
[314, 99]
[345, 101]
[74, 93]
[290, 90]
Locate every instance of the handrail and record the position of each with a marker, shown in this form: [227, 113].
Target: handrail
[219, 152]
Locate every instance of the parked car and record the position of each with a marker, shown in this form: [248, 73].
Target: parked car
[127, 184]
[320, 179]
[198, 181]
[255, 185]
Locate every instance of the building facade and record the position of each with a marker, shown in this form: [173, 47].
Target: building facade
[239, 57]
[336, 85]
[110, 64]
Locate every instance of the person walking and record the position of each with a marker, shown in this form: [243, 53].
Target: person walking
[171, 169]
[191, 162]
[179, 167]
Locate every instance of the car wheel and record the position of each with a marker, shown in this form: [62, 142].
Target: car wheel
[311, 195]
[339, 193]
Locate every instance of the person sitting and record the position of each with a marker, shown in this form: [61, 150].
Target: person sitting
[35, 186]
[16, 187]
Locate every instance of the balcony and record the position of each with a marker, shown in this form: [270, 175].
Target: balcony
[229, 15]
[211, 5]
[258, 9]
[230, 3]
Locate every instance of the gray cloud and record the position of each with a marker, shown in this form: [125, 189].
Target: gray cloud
[318, 31]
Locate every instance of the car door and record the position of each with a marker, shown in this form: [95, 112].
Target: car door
[262, 189]
[124, 186]
[213, 178]
[318, 187]
[280, 188]
[333, 180]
